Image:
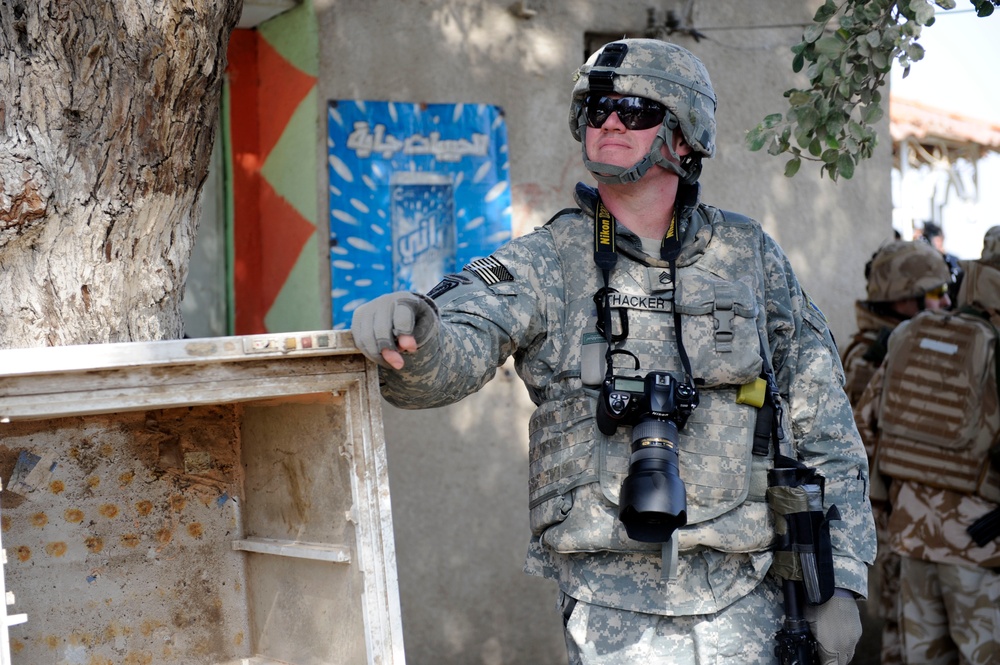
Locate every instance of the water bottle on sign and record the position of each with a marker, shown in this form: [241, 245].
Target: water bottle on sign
[423, 229]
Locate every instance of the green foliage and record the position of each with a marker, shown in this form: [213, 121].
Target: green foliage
[846, 53]
[985, 7]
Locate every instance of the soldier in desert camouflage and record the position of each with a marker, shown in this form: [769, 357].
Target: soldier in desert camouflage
[903, 278]
[702, 301]
[948, 604]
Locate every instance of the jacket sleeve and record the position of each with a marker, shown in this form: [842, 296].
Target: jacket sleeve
[497, 309]
[866, 417]
[811, 379]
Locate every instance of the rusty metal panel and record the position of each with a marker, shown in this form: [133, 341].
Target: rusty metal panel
[197, 501]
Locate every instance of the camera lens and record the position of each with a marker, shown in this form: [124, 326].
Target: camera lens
[652, 503]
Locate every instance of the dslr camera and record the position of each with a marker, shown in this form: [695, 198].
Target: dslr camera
[652, 503]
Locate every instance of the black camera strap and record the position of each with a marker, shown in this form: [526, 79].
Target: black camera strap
[606, 258]
[772, 410]
[669, 250]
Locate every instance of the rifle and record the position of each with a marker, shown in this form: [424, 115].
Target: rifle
[796, 644]
[803, 556]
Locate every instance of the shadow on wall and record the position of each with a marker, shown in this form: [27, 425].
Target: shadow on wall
[458, 477]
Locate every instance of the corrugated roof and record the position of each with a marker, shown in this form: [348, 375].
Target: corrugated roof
[909, 119]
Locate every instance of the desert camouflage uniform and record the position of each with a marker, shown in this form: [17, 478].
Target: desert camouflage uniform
[950, 587]
[863, 354]
[861, 359]
[515, 303]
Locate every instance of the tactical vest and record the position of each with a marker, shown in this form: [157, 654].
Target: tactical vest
[862, 357]
[939, 415]
[576, 472]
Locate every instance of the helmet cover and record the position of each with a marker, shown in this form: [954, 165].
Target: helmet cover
[905, 269]
[657, 70]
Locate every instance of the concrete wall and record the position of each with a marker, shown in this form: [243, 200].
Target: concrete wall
[458, 474]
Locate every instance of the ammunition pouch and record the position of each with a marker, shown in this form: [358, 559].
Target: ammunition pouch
[986, 528]
[803, 550]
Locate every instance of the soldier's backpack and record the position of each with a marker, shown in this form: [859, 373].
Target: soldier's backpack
[940, 410]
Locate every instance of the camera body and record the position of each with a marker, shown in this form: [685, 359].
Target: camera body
[625, 400]
[652, 503]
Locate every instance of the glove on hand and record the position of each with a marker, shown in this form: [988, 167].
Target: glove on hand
[836, 625]
[378, 324]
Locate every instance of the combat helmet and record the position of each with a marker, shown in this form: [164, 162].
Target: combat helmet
[991, 247]
[665, 73]
[905, 269]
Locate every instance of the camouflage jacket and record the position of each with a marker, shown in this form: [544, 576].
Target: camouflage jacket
[925, 522]
[863, 354]
[514, 304]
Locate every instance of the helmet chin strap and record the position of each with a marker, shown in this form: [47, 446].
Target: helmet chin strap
[688, 169]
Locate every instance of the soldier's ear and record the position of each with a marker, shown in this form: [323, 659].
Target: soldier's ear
[680, 145]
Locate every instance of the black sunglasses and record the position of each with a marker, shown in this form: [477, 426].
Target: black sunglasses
[634, 112]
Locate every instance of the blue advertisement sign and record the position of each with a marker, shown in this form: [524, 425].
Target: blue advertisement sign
[417, 191]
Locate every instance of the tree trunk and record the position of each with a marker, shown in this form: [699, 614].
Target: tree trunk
[109, 111]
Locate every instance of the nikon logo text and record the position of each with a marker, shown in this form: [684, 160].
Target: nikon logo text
[604, 237]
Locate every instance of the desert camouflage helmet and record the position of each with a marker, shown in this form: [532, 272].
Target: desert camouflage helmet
[991, 247]
[904, 269]
[660, 71]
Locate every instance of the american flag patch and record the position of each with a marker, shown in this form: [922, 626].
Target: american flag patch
[490, 271]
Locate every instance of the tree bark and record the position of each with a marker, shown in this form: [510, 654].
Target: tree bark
[109, 111]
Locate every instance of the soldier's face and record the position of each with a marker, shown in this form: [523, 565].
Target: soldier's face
[938, 298]
[932, 302]
[614, 143]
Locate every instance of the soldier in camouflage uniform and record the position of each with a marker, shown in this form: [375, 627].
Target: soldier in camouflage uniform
[948, 608]
[903, 278]
[682, 289]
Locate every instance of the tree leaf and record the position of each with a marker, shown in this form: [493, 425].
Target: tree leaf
[771, 121]
[831, 46]
[827, 11]
[799, 97]
[881, 60]
[756, 138]
[845, 165]
[872, 114]
[923, 11]
[812, 33]
[792, 166]
[915, 52]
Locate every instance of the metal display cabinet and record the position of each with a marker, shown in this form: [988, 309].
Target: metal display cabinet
[216, 501]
